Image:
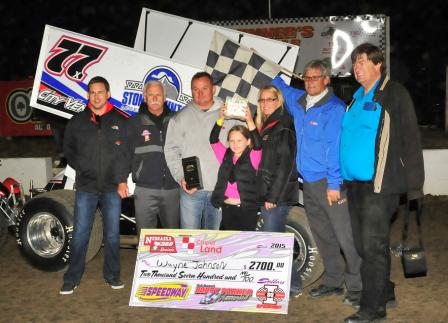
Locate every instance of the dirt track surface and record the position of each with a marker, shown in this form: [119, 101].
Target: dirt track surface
[30, 295]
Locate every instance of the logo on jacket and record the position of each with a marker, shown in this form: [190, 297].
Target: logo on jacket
[146, 135]
[314, 123]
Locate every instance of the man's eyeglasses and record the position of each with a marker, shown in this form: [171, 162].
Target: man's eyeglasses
[313, 78]
[267, 100]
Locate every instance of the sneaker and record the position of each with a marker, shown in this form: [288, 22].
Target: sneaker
[322, 291]
[67, 288]
[352, 298]
[115, 284]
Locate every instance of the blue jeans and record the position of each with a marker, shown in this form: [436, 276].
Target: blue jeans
[197, 211]
[274, 220]
[86, 204]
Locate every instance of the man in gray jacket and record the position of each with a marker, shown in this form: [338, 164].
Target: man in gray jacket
[188, 135]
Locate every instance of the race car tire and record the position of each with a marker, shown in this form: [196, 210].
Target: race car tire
[309, 262]
[310, 265]
[45, 227]
[3, 230]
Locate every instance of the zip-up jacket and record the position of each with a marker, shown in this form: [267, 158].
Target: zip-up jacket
[95, 146]
[318, 132]
[188, 135]
[146, 137]
[242, 173]
[277, 173]
[398, 151]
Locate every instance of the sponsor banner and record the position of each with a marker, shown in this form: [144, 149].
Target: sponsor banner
[213, 270]
[328, 38]
[17, 117]
[68, 60]
[188, 41]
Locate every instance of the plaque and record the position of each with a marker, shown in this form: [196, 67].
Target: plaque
[236, 107]
[192, 172]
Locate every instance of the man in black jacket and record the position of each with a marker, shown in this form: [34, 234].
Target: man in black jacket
[381, 158]
[156, 192]
[94, 146]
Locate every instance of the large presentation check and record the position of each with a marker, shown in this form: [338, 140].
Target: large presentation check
[213, 270]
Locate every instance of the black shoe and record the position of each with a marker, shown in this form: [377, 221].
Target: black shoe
[352, 298]
[365, 318]
[391, 302]
[67, 288]
[115, 284]
[323, 291]
[295, 293]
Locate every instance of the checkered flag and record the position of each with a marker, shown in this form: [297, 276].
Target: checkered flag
[237, 69]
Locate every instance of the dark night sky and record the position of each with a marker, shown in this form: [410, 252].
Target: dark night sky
[418, 30]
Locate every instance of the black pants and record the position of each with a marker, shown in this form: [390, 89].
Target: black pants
[371, 215]
[240, 218]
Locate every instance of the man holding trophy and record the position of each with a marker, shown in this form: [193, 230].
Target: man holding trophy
[191, 159]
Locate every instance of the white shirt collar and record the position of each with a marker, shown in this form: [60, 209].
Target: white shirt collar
[313, 99]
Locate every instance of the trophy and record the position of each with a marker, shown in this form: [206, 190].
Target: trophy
[192, 172]
[236, 107]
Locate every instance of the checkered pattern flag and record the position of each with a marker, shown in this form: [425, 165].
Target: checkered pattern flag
[237, 69]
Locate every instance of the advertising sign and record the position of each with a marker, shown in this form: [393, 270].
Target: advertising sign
[17, 117]
[68, 60]
[213, 270]
[327, 38]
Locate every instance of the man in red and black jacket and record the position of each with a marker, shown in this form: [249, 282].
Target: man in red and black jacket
[95, 146]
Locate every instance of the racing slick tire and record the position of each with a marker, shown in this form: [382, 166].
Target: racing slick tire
[310, 265]
[309, 262]
[3, 230]
[45, 227]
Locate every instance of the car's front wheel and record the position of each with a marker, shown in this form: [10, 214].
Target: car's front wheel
[309, 262]
[45, 227]
[306, 256]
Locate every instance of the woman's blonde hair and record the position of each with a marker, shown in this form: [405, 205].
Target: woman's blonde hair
[276, 93]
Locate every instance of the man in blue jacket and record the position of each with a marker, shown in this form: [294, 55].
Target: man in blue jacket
[318, 114]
